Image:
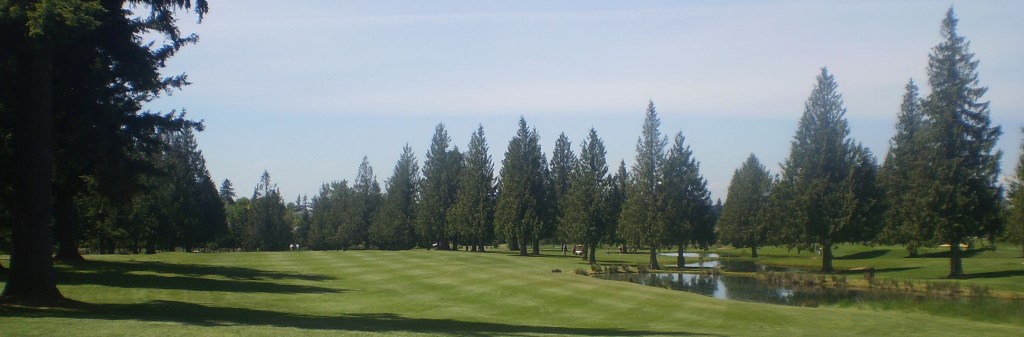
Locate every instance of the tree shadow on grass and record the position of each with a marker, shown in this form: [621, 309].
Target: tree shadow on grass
[995, 274]
[210, 316]
[184, 277]
[946, 254]
[877, 270]
[864, 255]
[195, 270]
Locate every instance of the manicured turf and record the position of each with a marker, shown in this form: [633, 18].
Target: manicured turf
[417, 293]
[1001, 269]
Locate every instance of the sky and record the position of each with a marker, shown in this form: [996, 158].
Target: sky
[305, 89]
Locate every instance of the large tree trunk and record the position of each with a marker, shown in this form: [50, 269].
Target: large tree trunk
[753, 249]
[654, 258]
[956, 266]
[67, 227]
[593, 253]
[31, 278]
[681, 259]
[826, 258]
[536, 246]
[523, 244]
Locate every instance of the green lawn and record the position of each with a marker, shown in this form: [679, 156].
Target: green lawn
[418, 293]
[1000, 270]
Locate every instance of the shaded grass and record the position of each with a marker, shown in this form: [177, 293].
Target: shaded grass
[415, 293]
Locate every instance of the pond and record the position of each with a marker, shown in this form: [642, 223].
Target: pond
[740, 288]
[751, 289]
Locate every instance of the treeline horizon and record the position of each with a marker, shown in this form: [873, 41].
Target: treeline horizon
[90, 169]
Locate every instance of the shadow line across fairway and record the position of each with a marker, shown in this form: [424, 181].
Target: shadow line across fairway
[158, 275]
[211, 316]
[863, 255]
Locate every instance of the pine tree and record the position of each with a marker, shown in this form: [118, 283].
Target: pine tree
[58, 54]
[330, 212]
[641, 223]
[227, 192]
[961, 195]
[822, 176]
[686, 201]
[563, 162]
[742, 223]
[1015, 207]
[902, 164]
[618, 184]
[440, 180]
[392, 226]
[587, 201]
[521, 209]
[365, 202]
[473, 211]
[268, 218]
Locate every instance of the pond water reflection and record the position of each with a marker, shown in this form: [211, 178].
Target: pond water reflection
[739, 288]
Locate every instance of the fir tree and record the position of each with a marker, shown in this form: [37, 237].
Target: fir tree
[822, 176]
[521, 208]
[473, 212]
[961, 194]
[563, 162]
[226, 192]
[392, 226]
[587, 201]
[686, 201]
[641, 223]
[903, 164]
[440, 180]
[1015, 204]
[742, 223]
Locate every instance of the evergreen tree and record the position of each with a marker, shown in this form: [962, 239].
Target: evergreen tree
[330, 211]
[226, 192]
[686, 201]
[522, 206]
[392, 226]
[586, 205]
[440, 180]
[618, 184]
[641, 223]
[1015, 223]
[563, 162]
[743, 220]
[903, 164]
[821, 177]
[473, 211]
[961, 194]
[57, 55]
[267, 218]
[365, 202]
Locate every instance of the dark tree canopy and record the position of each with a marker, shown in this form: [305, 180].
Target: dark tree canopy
[743, 222]
[587, 201]
[392, 226]
[686, 200]
[521, 210]
[72, 83]
[821, 177]
[641, 222]
[472, 215]
[440, 181]
[961, 197]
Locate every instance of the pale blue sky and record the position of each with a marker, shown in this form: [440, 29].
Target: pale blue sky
[305, 89]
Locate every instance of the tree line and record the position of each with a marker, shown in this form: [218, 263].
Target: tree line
[89, 167]
[938, 184]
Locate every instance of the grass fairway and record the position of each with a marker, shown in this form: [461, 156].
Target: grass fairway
[416, 293]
